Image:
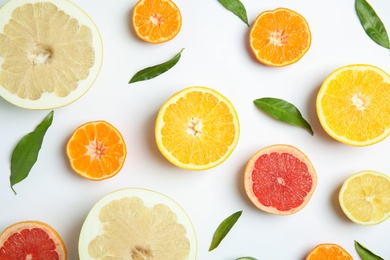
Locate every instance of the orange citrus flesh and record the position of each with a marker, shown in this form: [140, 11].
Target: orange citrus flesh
[280, 179]
[31, 240]
[96, 150]
[353, 106]
[197, 128]
[279, 37]
[328, 252]
[156, 21]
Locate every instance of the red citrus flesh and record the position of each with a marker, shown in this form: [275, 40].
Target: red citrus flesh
[280, 179]
[31, 240]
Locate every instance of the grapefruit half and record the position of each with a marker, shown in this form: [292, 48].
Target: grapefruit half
[280, 179]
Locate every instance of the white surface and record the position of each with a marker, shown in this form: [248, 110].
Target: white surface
[216, 55]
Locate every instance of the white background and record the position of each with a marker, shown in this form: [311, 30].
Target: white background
[216, 55]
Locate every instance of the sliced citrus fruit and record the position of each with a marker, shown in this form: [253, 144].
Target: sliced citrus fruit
[50, 53]
[352, 104]
[197, 128]
[280, 179]
[328, 251]
[279, 37]
[31, 240]
[156, 21]
[135, 223]
[96, 150]
[364, 197]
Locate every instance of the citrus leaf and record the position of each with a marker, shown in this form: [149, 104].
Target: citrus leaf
[236, 7]
[371, 23]
[284, 111]
[246, 258]
[26, 151]
[366, 254]
[154, 71]
[223, 229]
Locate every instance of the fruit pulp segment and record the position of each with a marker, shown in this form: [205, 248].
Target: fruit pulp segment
[156, 19]
[281, 181]
[367, 198]
[29, 244]
[354, 103]
[44, 50]
[131, 229]
[198, 129]
[331, 252]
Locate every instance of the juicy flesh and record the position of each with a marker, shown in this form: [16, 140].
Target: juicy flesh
[44, 50]
[199, 129]
[157, 20]
[131, 230]
[96, 150]
[280, 37]
[356, 105]
[367, 198]
[281, 181]
[330, 252]
[29, 244]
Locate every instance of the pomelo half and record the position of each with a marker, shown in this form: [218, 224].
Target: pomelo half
[51, 53]
[135, 223]
[280, 179]
[31, 240]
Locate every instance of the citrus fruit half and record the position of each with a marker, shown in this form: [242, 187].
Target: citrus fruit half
[135, 223]
[31, 240]
[96, 150]
[279, 37]
[156, 21]
[364, 197]
[328, 251]
[352, 104]
[280, 179]
[197, 128]
[50, 53]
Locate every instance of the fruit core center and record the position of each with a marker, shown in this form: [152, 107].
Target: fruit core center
[278, 37]
[281, 181]
[96, 150]
[156, 19]
[39, 54]
[359, 101]
[29, 257]
[194, 127]
[140, 253]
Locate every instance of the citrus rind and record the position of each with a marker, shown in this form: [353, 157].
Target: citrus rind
[322, 92]
[160, 124]
[365, 199]
[93, 227]
[49, 100]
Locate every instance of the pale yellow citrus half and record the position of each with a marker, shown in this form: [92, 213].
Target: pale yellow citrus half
[51, 53]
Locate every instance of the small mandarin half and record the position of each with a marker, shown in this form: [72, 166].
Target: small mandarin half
[280, 179]
[156, 21]
[328, 251]
[279, 37]
[134, 223]
[51, 53]
[364, 197]
[352, 104]
[197, 128]
[96, 150]
[31, 240]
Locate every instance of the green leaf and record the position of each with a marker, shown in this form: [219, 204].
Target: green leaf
[154, 71]
[223, 229]
[26, 151]
[366, 254]
[284, 111]
[371, 23]
[236, 7]
[246, 258]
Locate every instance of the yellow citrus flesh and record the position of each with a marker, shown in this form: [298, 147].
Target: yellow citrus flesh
[137, 224]
[197, 128]
[352, 104]
[50, 53]
[365, 197]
